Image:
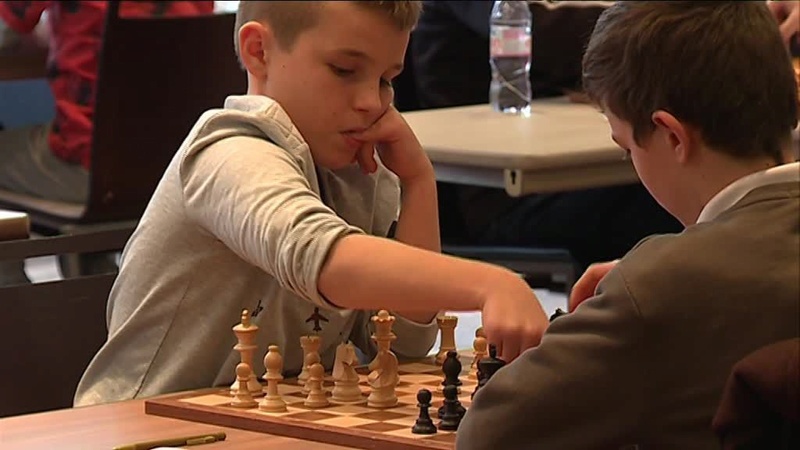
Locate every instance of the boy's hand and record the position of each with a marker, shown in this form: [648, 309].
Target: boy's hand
[586, 286]
[513, 319]
[787, 13]
[397, 146]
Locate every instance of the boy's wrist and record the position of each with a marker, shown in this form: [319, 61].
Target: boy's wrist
[422, 177]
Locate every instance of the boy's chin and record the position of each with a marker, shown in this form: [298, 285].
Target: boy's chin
[336, 164]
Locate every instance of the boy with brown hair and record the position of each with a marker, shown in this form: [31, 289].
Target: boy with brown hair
[280, 203]
[644, 359]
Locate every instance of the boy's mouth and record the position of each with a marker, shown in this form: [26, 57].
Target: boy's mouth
[350, 141]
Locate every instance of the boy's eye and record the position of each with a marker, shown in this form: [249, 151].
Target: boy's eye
[339, 71]
[385, 82]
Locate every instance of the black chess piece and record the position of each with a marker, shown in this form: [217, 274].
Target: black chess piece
[424, 423]
[487, 367]
[451, 367]
[460, 407]
[453, 411]
[558, 313]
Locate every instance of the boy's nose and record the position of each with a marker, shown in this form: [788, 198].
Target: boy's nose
[369, 100]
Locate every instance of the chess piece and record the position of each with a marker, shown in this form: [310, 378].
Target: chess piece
[487, 367]
[451, 367]
[243, 398]
[316, 395]
[424, 424]
[310, 345]
[273, 361]
[447, 336]
[453, 411]
[383, 376]
[480, 349]
[245, 333]
[345, 378]
[558, 313]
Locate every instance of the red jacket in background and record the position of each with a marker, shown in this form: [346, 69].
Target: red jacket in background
[76, 33]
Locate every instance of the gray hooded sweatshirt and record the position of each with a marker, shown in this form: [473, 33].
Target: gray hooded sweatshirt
[242, 218]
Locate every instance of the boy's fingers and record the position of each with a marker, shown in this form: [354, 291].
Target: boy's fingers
[583, 289]
[366, 158]
[791, 25]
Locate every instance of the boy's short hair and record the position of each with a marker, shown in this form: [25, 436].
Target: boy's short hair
[290, 18]
[718, 66]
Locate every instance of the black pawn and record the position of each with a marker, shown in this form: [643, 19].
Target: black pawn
[487, 367]
[558, 313]
[451, 367]
[453, 411]
[461, 409]
[424, 424]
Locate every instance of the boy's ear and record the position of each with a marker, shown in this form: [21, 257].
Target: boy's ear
[255, 40]
[677, 135]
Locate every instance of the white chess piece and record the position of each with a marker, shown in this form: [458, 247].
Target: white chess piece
[310, 345]
[273, 361]
[383, 376]
[316, 395]
[243, 398]
[345, 378]
[447, 336]
[246, 346]
[480, 349]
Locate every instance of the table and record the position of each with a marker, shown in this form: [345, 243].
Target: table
[561, 146]
[14, 225]
[107, 426]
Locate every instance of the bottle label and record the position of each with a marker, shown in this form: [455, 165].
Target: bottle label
[509, 41]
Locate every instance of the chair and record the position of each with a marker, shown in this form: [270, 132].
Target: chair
[760, 404]
[156, 76]
[51, 330]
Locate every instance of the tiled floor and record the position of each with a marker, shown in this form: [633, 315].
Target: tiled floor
[46, 269]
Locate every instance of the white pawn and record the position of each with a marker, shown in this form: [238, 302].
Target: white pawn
[316, 395]
[273, 361]
[243, 398]
[479, 350]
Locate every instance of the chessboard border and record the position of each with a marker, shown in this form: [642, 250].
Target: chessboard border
[172, 407]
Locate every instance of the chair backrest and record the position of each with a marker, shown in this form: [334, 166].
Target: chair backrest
[156, 76]
[51, 330]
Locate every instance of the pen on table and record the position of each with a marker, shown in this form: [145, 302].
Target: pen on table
[207, 438]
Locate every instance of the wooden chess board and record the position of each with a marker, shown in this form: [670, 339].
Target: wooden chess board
[356, 426]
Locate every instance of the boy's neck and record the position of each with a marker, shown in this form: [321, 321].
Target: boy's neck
[716, 171]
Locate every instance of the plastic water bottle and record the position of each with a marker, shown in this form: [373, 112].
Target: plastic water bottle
[510, 57]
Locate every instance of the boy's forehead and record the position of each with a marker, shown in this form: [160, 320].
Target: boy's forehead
[359, 32]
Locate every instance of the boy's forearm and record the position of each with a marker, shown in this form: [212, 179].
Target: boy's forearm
[418, 225]
[367, 273]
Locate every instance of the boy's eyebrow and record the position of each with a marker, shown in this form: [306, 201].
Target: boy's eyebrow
[361, 55]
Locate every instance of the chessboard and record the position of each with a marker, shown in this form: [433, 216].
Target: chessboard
[353, 425]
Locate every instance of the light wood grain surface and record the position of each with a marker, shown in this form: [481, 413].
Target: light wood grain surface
[107, 426]
[562, 146]
[558, 133]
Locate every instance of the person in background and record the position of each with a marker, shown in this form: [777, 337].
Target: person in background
[643, 359]
[450, 51]
[51, 161]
